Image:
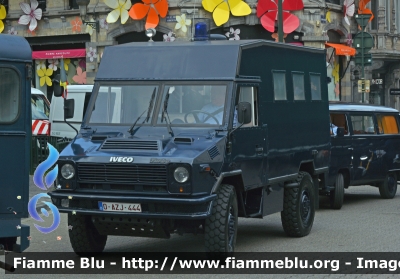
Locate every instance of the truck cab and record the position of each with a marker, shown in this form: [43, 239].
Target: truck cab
[200, 134]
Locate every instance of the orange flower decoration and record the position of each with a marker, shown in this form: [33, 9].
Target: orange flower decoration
[151, 8]
[76, 24]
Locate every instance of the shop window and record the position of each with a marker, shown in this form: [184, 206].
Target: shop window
[387, 124]
[363, 124]
[279, 79]
[9, 95]
[5, 4]
[42, 5]
[298, 86]
[315, 83]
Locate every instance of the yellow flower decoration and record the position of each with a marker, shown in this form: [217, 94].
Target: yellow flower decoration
[89, 29]
[2, 16]
[45, 76]
[328, 16]
[67, 61]
[335, 71]
[220, 9]
[182, 22]
[120, 7]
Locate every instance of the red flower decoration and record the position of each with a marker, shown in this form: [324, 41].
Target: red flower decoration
[267, 11]
[151, 8]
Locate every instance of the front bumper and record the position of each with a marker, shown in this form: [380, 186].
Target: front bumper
[152, 207]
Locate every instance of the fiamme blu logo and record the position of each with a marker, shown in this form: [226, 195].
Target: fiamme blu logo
[43, 178]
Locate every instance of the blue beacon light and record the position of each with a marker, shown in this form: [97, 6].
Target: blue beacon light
[200, 31]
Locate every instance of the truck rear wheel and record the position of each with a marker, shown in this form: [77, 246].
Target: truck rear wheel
[388, 187]
[336, 196]
[221, 226]
[298, 207]
[83, 236]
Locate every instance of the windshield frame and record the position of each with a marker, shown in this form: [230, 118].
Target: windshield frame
[158, 102]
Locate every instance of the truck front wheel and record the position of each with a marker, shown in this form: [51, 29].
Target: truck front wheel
[83, 236]
[388, 187]
[298, 207]
[221, 226]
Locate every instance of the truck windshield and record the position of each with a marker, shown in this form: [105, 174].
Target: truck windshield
[123, 104]
[194, 105]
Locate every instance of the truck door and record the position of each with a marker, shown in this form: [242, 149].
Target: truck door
[365, 143]
[15, 136]
[342, 149]
[249, 141]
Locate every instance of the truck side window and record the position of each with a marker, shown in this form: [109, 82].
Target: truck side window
[339, 120]
[363, 124]
[387, 124]
[315, 83]
[9, 95]
[279, 79]
[298, 86]
[248, 94]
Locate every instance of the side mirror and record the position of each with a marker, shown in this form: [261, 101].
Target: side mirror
[244, 112]
[58, 91]
[340, 132]
[69, 106]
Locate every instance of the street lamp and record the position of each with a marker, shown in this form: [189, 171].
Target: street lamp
[83, 10]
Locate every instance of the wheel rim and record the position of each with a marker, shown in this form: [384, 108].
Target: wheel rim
[231, 228]
[391, 184]
[305, 206]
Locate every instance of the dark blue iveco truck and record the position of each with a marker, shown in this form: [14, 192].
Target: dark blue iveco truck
[15, 138]
[186, 137]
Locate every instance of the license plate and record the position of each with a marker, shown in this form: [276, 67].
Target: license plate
[121, 207]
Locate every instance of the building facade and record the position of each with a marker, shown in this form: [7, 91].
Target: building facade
[61, 33]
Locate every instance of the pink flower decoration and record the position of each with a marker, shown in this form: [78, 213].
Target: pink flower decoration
[103, 23]
[233, 35]
[170, 37]
[31, 14]
[80, 77]
[12, 31]
[91, 54]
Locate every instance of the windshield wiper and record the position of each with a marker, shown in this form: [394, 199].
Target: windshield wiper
[167, 120]
[149, 109]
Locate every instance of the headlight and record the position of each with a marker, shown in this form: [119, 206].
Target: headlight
[67, 171]
[181, 174]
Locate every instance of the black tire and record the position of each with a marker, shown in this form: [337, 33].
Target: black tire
[84, 237]
[336, 196]
[221, 226]
[299, 207]
[388, 187]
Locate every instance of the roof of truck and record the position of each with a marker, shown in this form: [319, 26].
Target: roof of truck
[15, 48]
[183, 60]
[342, 106]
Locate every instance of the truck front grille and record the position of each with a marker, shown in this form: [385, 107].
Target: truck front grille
[123, 173]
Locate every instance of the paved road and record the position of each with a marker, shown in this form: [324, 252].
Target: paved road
[366, 223]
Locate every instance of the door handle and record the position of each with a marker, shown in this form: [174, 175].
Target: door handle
[350, 148]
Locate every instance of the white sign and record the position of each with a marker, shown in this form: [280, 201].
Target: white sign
[377, 81]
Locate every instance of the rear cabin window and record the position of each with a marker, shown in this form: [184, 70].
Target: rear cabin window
[298, 86]
[9, 95]
[315, 83]
[279, 79]
[340, 120]
[363, 124]
[387, 124]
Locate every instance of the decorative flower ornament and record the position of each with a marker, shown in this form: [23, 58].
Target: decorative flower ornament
[91, 54]
[53, 64]
[267, 11]
[67, 61]
[40, 64]
[348, 10]
[3, 15]
[349, 39]
[89, 29]
[76, 24]
[182, 22]
[45, 76]
[80, 76]
[12, 31]
[363, 10]
[221, 8]
[328, 16]
[103, 23]
[32, 14]
[120, 7]
[170, 37]
[233, 34]
[151, 8]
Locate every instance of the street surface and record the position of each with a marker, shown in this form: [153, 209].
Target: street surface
[366, 223]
